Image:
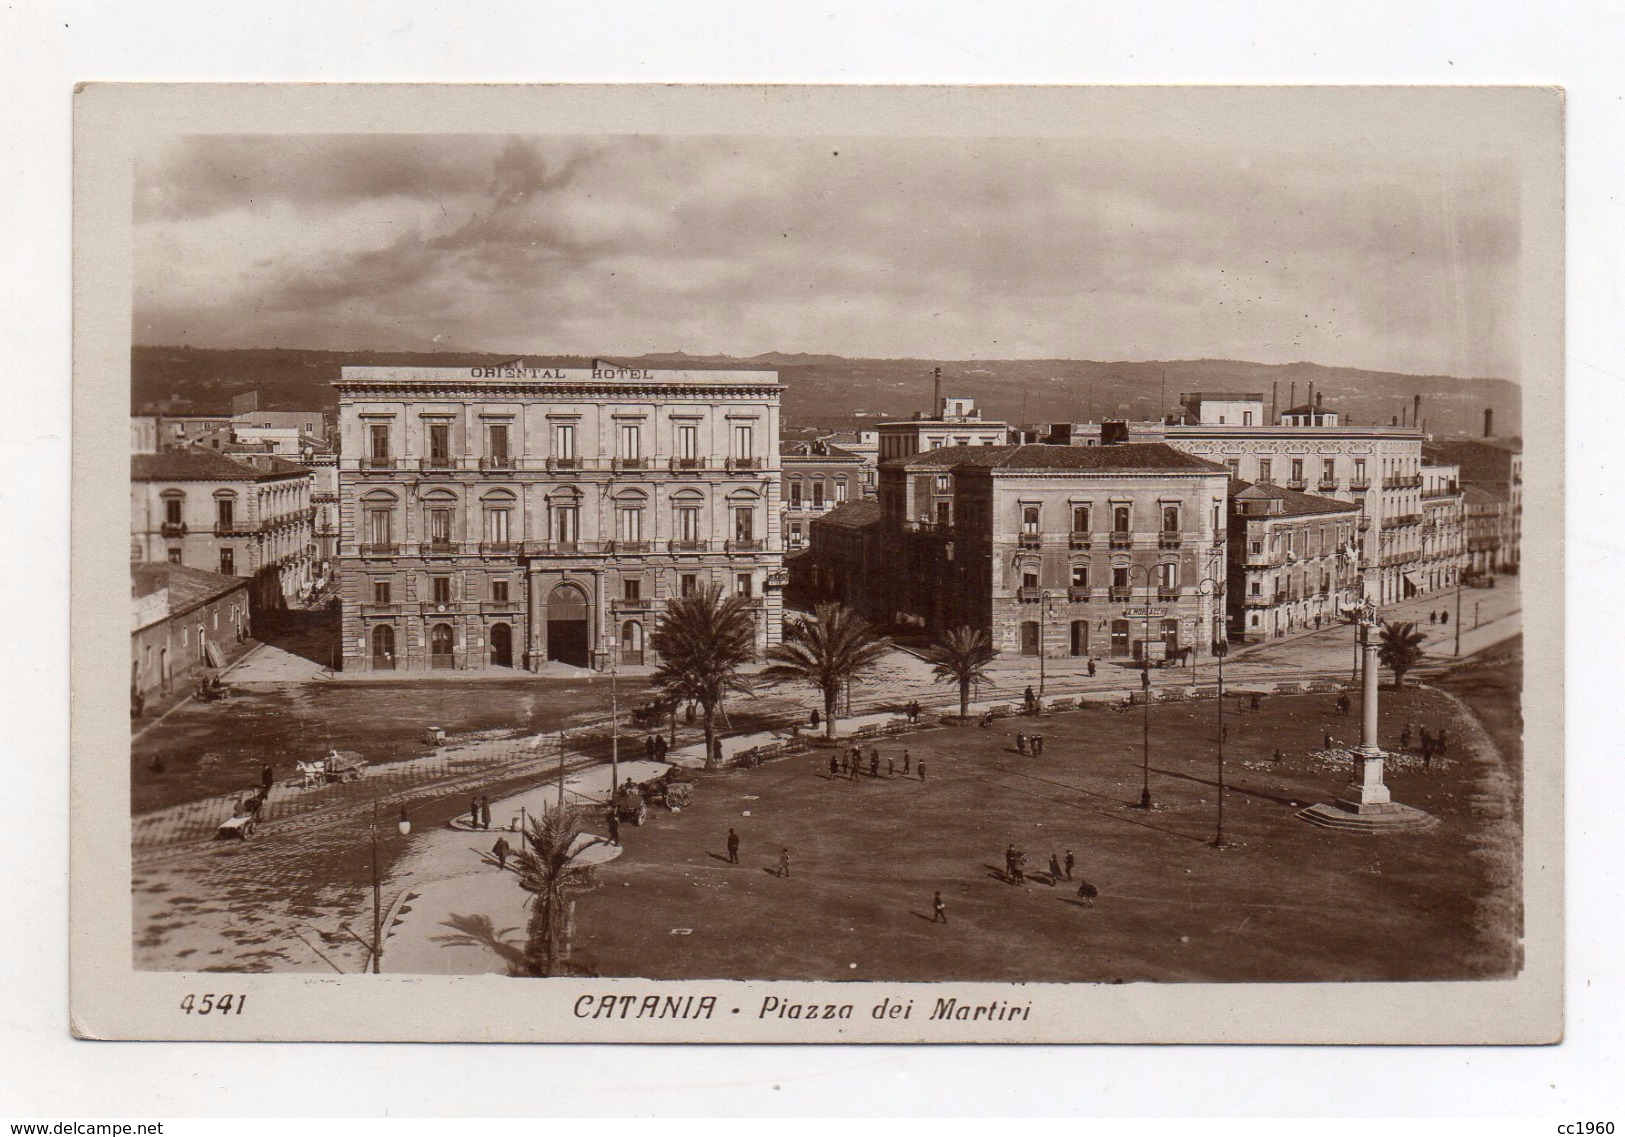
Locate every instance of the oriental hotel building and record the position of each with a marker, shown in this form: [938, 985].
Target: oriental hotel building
[536, 518]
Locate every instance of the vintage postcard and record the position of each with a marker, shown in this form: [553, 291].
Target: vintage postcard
[728, 564]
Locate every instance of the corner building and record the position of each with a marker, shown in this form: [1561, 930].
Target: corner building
[517, 516]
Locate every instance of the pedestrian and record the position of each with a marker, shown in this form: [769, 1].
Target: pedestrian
[1444, 741]
[905, 763]
[1327, 743]
[1343, 705]
[733, 847]
[1428, 744]
[1010, 862]
[1021, 743]
[784, 862]
[986, 720]
[1224, 733]
[834, 765]
[1427, 741]
[1278, 757]
[1087, 893]
[500, 851]
[1054, 868]
[716, 751]
[1405, 737]
[1444, 616]
[891, 768]
[1091, 667]
[814, 718]
[1038, 745]
[874, 762]
[473, 813]
[661, 747]
[267, 777]
[1021, 867]
[1069, 862]
[921, 768]
[1433, 617]
[1254, 701]
[614, 827]
[914, 711]
[485, 812]
[939, 910]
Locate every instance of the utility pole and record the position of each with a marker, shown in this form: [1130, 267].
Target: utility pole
[1458, 611]
[561, 770]
[614, 732]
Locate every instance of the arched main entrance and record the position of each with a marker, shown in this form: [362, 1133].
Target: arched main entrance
[501, 645]
[567, 625]
[632, 643]
[383, 648]
[440, 649]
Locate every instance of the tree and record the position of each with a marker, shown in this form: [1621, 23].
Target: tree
[550, 869]
[703, 639]
[1400, 649]
[835, 646]
[961, 655]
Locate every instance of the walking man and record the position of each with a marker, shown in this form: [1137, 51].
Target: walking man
[1031, 700]
[1054, 869]
[1069, 862]
[939, 910]
[1343, 705]
[814, 718]
[784, 862]
[267, 777]
[485, 812]
[834, 765]
[921, 768]
[1038, 745]
[1010, 861]
[733, 847]
[614, 827]
[1021, 743]
[500, 851]
[1444, 615]
[1091, 667]
[891, 768]
[874, 763]
[473, 813]
[905, 763]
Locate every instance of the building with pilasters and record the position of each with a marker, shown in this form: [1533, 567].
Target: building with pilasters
[516, 516]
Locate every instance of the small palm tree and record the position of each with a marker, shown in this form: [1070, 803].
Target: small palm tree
[1400, 649]
[961, 655]
[837, 645]
[703, 639]
[550, 869]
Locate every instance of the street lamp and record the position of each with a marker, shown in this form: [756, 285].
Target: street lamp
[1145, 686]
[1215, 588]
[1043, 621]
[405, 827]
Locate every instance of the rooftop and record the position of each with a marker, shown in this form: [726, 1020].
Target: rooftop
[1292, 503]
[188, 587]
[520, 371]
[1128, 457]
[198, 465]
[852, 515]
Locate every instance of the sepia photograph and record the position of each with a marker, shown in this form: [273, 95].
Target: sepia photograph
[840, 574]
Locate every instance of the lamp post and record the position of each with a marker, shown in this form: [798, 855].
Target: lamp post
[1215, 589]
[405, 826]
[1145, 686]
[1043, 621]
[1458, 611]
[614, 727]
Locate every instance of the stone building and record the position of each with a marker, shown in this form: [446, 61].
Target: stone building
[247, 515]
[956, 422]
[1496, 466]
[1444, 528]
[1293, 561]
[183, 620]
[816, 477]
[1112, 550]
[1491, 539]
[515, 515]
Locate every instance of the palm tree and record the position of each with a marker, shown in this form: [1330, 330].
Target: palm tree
[703, 639]
[1400, 649]
[961, 655]
[837, 645]
[550, 869]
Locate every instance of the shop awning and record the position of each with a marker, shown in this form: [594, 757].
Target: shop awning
[1410, 579]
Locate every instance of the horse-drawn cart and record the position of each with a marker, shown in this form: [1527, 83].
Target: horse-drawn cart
[630, 804]
[674, 789]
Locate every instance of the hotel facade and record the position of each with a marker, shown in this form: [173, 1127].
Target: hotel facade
[523, 516]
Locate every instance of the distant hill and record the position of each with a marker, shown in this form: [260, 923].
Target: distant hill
[830, 390]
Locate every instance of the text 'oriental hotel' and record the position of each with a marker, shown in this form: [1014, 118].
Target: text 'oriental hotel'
[527, 517]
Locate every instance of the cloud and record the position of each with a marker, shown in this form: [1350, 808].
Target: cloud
[955, 248]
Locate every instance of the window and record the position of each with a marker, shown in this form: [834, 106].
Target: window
[1120, 576]
[564, 441]
[566, 524]
[1080, 519]
[225, 512]
[174, 556]
[742, 583]
[1235, 466]
[441, 589]
[795, 533]
[1029, 578]
[1264, 473]
[496, 445]
[795, 493]
[228, 562]
[1359, 469]
[172, 510]
[688, 442]
[818, 495]
[1297, 469]
[629, 524]
[1080, 576]
[945, 513]
[308, 430]
[380, 592]
[1246, 418]
[1168, 576]
[744, 523]
[688, 523]
[943, 484]
[439, 442]
[1170, 519]
[840, 490]
[744, 441]
[1256, 591]
[1029, 519]
[440, 526]
[631, 588]
[690, 583]
[1328, 469]
[496, 526]
[378, 444]
[378, 526]
[631, 440]
[1120, 518]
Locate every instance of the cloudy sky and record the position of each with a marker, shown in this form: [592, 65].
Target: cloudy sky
[1106, 248]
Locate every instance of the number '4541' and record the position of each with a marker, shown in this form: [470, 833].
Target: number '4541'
[214, 1004]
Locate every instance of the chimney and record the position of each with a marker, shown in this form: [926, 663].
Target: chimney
[1319, 399]
[1275, 386]
[1489, 422]
[1416, 410]
[1292, 399]
[1310, 403]
[936, 391]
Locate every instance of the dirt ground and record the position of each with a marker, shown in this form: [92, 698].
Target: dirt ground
[1284, 901]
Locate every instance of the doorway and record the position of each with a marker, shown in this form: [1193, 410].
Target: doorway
[383, 648]
[1080, 637]
[632, 643]
[441, 656]
[501, 645]
[567, 625]
[1029, 637]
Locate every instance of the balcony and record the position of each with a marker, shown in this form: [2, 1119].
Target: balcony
[1168, 594]
[560, 548]
[173, 529]
[1077, 594]
[1327, 485]
[502, 549]
[1401, 520]
[688, 465]
[744, 545]
[632, 604]
[563, 465]
[744, 464]
[1030, 540]
[1168, 541]
[437, 548]
[1029, 595]
[499, 607]
[1436, 495]
[499, 464]
[228, 529]
[630, 546]
[1297, 484]
[1120, 593]
[1077, 540]
[1359, 485]
[1410, 483]
[689, 546]
[1122, 540]
[377, 465]
[440, 464]
[631, 464]
[383, 609]
[380, 549]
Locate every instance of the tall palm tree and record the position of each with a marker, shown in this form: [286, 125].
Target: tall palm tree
[837, 645]
[550, 869]
[1400, 649]
[961, 655]
[703, 639]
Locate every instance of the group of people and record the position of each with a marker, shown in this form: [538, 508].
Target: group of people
[1015, 871]
[850, 763]
[1431, 745]
[732, 843]
[655, 747]
[479, 812]
[1442, 616]
[1030, 743]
